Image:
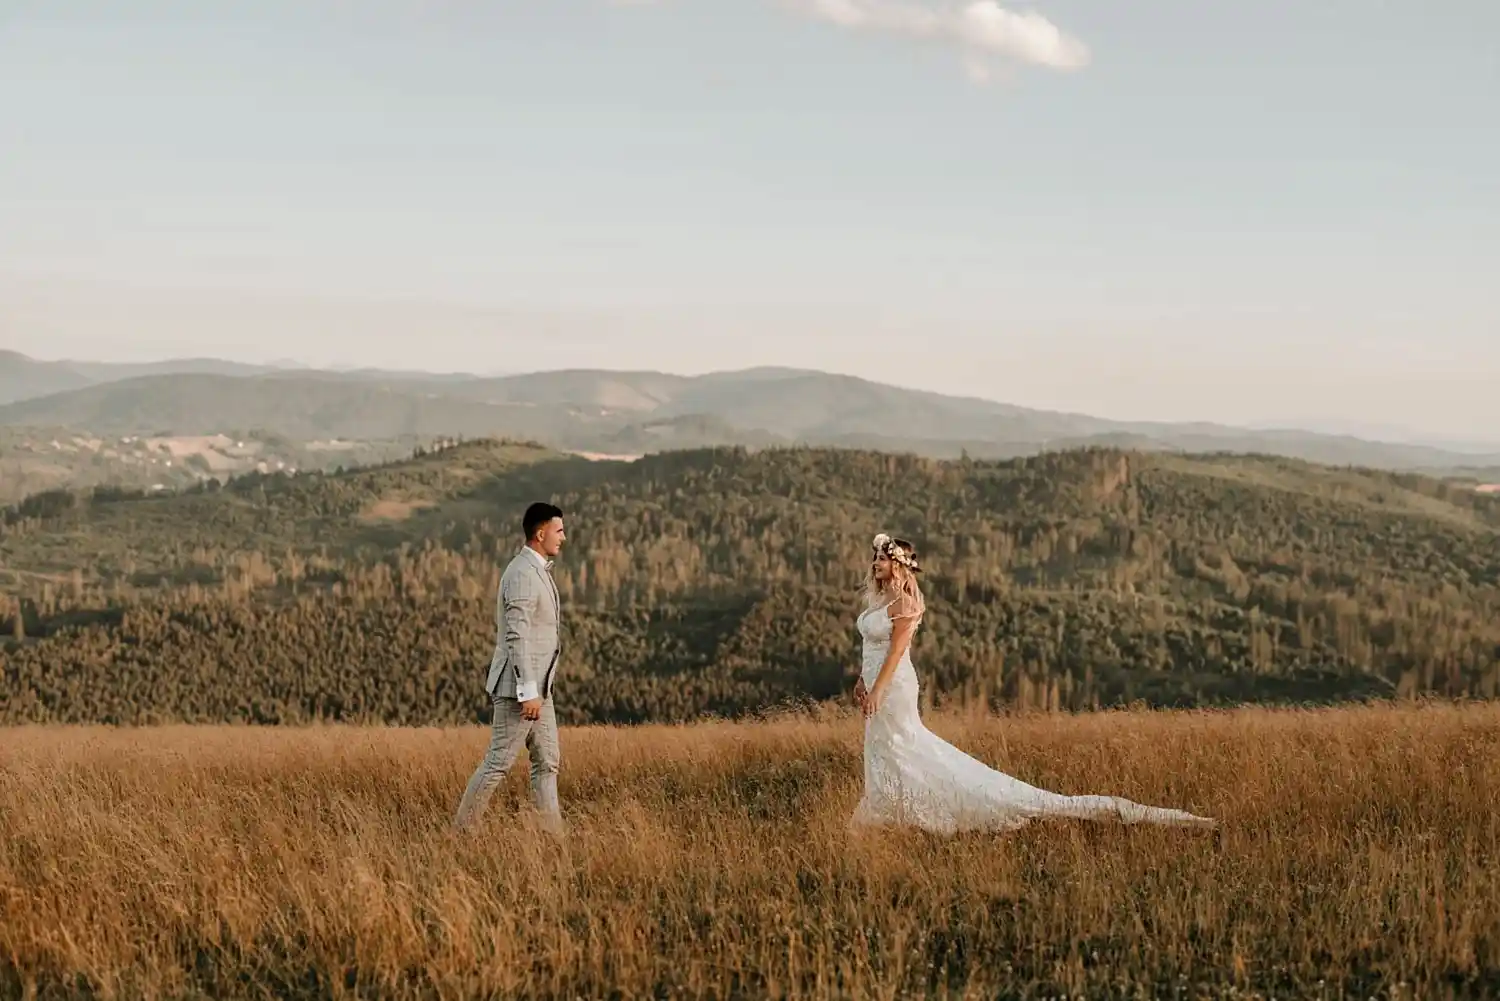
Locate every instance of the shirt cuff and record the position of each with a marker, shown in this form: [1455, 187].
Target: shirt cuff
[525, 693]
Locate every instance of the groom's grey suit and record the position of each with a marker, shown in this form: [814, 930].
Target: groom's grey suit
[522, 668]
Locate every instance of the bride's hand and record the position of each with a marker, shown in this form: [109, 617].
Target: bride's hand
[872, 701]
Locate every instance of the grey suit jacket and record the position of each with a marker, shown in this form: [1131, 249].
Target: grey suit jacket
[527, 617]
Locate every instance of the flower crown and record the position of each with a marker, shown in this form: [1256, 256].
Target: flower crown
[897, 551]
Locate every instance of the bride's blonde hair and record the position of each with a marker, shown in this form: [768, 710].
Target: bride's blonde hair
[901, 592]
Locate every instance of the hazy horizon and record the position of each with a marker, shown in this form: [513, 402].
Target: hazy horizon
[1375, 431]
[1248, 215]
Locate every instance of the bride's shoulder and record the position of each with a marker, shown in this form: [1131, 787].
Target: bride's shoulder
[904, 606]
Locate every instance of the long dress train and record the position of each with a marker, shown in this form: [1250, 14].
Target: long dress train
[915, 778]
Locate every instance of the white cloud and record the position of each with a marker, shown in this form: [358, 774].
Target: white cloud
[982, 31]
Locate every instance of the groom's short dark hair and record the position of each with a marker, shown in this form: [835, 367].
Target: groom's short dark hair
[538, 515]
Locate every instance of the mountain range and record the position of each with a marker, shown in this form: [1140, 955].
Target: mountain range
[24, 378]
[625, 412]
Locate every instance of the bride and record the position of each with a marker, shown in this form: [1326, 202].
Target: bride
[912, 776]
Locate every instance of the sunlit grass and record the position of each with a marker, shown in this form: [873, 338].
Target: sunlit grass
[1358, 851]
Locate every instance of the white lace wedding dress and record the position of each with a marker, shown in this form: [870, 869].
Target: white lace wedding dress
[915, 778]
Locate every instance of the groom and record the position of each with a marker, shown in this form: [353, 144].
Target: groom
[519, 684]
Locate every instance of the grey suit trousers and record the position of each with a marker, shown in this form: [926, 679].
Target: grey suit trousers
[509, 732]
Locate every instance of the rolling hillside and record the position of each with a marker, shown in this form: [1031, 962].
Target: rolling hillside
[634, 412]
[23, 378]
[35, 460]
[722, 581]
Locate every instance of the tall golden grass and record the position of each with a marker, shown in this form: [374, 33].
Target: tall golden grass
[1357, 857]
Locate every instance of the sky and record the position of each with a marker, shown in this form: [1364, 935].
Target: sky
[1273, 212]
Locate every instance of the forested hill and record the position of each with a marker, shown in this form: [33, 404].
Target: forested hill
[724, 581]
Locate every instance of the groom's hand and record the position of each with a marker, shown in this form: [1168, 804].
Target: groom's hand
[859, 692]
[531, 709]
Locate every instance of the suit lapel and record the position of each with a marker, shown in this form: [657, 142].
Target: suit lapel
[551, 586]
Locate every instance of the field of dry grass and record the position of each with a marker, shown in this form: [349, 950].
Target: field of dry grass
[1358, 858]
